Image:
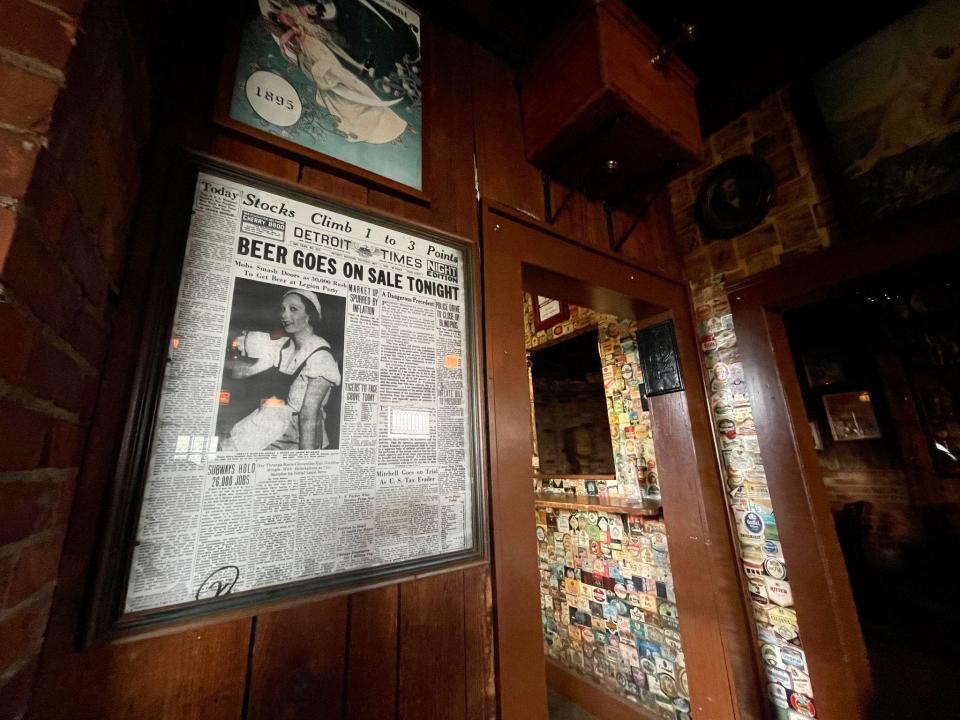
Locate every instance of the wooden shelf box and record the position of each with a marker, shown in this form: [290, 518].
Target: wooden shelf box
[591, 95]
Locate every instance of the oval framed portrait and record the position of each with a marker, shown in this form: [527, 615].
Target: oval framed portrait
[735, 197]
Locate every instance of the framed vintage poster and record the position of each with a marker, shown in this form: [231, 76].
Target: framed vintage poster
[308, 420]
[337, 80]
[892, 115]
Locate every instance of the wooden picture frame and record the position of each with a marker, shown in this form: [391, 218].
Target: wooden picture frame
[355, 158]
[851, 416]
[109, 617]
[548, 312]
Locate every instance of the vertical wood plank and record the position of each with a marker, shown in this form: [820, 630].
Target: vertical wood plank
[387, 202]
[194, 674]
[298, 662]
[478, 644]
[522, 676]
[504, 173]
[711, 691]
[372, 655]
[324, 181]
[449, 166]
[669, 255]
[570, 212]
[650, 243]
[431, 649]
[245, 152]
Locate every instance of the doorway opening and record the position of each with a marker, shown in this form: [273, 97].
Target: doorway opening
[608, 606]
[878, 365]
[691, 617]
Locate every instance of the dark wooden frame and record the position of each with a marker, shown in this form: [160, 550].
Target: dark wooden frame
[106, 619]
[829, 623]
[722, 663]
[221, 116]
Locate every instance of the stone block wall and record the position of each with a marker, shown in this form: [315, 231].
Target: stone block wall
[802, 218]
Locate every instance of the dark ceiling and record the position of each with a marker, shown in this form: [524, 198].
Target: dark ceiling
[744, 50]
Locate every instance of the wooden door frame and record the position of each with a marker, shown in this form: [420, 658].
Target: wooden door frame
[715, 628]
[833, 642]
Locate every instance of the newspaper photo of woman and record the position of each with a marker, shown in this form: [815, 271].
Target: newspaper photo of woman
[288, 377]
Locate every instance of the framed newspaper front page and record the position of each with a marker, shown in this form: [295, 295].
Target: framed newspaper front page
[337, 81]
[308, 420]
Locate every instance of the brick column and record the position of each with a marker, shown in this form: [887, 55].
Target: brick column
[71, 124]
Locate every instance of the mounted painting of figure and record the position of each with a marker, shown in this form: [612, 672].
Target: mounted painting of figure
[341, 78]
[892, 110]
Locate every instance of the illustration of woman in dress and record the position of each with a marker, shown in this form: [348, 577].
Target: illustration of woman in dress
[292, 376]
[361, 115]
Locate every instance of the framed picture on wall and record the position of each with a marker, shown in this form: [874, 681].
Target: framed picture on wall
[339, 81]
[851, 416]
[823, 368]
[548, 312]
[306, 418]
[892, 115]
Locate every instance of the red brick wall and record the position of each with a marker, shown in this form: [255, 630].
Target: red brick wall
[71, 122]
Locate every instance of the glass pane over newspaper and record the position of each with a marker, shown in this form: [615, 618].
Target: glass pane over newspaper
[316, 414]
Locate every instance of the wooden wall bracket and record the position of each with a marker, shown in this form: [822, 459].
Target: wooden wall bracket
[549, 214]
[653, 185]
[617, 242]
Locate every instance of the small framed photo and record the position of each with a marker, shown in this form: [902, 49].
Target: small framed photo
[548, 312]
[851, 416]
[823, 369]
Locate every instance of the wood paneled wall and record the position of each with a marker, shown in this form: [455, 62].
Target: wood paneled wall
[421, 649]
[506, 177]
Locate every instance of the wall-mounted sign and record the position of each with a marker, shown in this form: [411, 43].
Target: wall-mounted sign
[314, 421]
[659, 361]
[340, 80]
